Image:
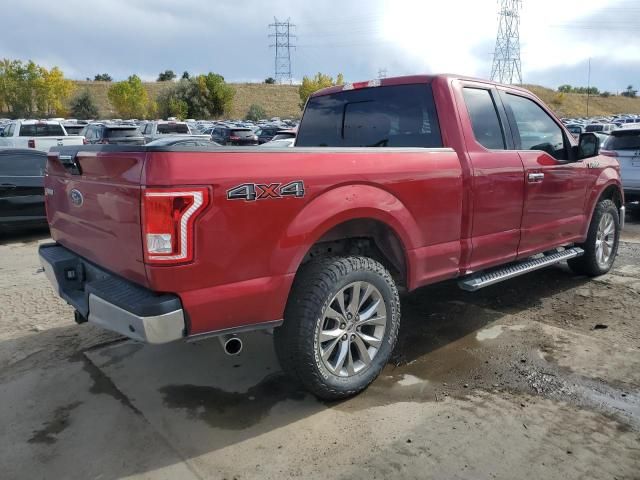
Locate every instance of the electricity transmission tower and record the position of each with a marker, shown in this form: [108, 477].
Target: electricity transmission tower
[506, 57]
[282, 42]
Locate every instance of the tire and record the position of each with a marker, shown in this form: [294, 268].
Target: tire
[317, 333]
[593, 263]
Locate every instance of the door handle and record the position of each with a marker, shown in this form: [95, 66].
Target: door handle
[535, 177]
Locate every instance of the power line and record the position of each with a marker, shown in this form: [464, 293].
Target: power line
[282, 42]
[506, 66]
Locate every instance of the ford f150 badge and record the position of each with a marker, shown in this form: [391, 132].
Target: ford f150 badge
[262, 191]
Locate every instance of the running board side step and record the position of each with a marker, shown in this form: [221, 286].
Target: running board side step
[480, 280]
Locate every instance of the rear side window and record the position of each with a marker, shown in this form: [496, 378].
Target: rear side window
[41, 130]
[623, 140]
[594, 128]
[484, 118]
[121, 132]
[172, 128]
[395, 116]
[18, 164]
[536, 129]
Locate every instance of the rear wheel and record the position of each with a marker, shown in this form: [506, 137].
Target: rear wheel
[341, 325]
[601, 247]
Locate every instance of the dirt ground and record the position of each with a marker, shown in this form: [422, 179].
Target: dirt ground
[538, 377]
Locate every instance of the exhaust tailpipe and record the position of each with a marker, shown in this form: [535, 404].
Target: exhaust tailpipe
[231, 344]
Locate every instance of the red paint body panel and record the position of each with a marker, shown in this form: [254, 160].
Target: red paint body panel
[106, 228]
[454, 210]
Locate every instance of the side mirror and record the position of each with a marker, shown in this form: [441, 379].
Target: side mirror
[588, 145]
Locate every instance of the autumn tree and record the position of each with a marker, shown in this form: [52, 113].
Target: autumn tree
[313, 84]
[129, 98]
[30, 90]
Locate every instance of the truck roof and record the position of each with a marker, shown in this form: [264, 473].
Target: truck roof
[404, 80]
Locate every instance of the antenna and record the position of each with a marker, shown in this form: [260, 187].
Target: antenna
[506, 66]
[282, 42]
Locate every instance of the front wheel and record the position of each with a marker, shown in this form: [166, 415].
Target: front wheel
[341, 325]
[601, 246]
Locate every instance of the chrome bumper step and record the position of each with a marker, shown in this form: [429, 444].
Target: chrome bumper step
[480, 280]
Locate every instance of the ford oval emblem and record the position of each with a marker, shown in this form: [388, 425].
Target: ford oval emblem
[76, 197]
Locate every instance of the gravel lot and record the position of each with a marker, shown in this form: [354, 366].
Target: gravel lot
[534, 378]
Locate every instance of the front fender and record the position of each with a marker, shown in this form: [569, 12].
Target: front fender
[337, 206]
[608, 177]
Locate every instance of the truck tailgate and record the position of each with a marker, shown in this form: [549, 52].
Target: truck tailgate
[93, 207]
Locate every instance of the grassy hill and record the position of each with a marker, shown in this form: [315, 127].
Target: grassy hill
[575, 104]
[277, 100]
[282, 100]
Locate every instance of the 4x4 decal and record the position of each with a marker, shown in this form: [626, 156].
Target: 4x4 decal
[250, 192]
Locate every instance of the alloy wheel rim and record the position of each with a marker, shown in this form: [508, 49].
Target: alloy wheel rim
[352, 329]
[605, 239]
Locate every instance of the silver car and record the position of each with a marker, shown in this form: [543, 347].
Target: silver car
[624, 144]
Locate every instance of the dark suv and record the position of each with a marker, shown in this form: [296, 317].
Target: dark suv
[234, 136]
[22, 187]
[112, 134]
[266, 134]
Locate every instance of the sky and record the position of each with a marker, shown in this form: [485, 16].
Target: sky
[355, 37]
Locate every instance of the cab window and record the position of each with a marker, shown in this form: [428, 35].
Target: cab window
[484, 118]
[535, 128]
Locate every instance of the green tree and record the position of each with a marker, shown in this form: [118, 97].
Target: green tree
[102, 77]
[255, 113]
[565, 88]
[83, 106]
[212, 96]
[174, 101]
[129, 98]
[185, 75]
[629, 92]
[313, 84]
[269, 80]
[166, 76]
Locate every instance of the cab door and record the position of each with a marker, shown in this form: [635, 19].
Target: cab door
[555, 185]
[497, 193]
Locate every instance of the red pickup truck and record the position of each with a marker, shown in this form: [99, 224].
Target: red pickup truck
[392, 184]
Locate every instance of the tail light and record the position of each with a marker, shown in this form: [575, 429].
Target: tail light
[233, 137]
[85, 141]
[609, 153]
[31, 143]
[168, 217]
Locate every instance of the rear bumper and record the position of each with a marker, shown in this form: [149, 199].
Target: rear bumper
[110, 301]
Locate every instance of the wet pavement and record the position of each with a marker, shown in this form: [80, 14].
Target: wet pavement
[537, 377]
